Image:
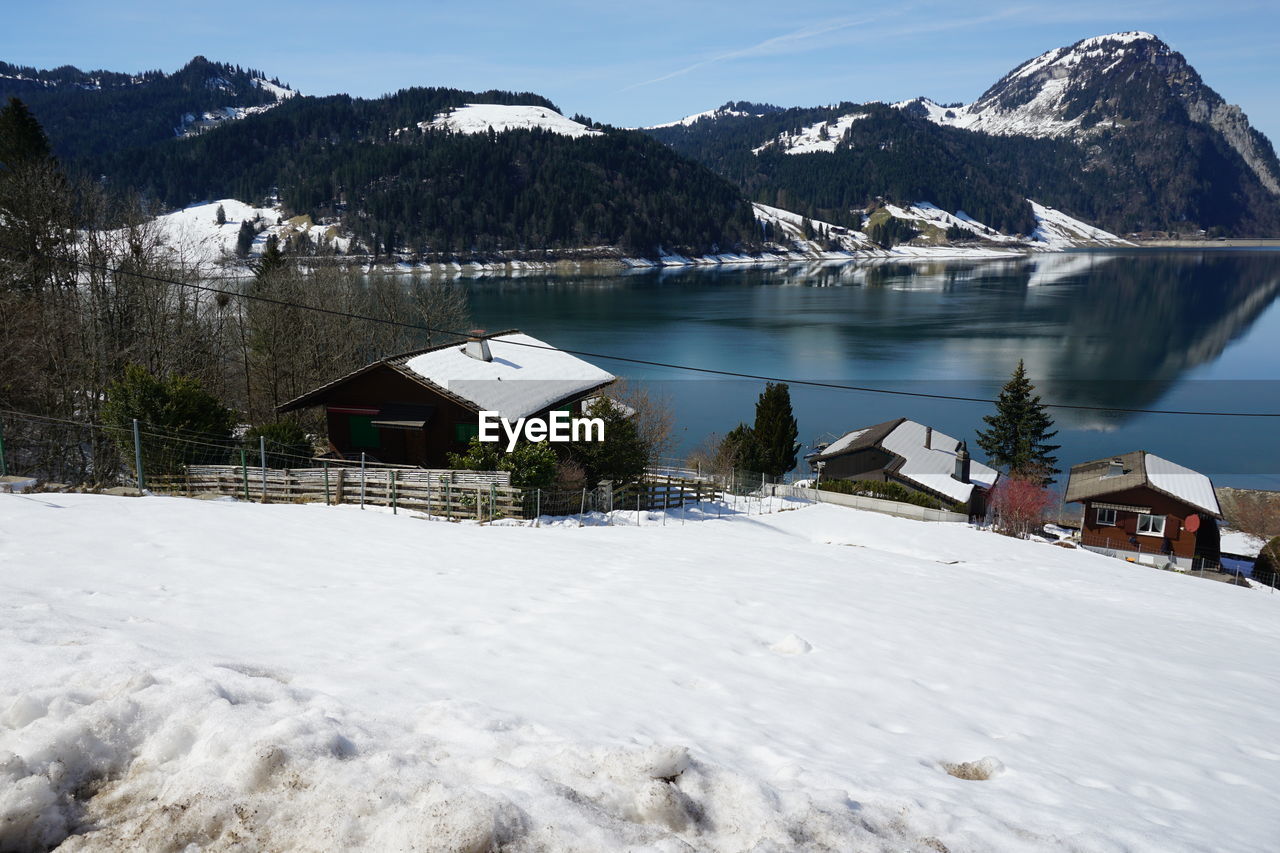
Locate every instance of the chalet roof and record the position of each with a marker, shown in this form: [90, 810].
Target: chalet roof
[931, 468]
[523, 376]
[1140, 469]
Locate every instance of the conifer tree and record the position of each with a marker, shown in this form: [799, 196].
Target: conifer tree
[775, 431]
[22, 140]
[221, 216]
[1016, 440]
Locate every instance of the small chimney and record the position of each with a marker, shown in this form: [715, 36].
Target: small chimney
[478, 346]
[1116, 468]
[928, 438]
[962, 463]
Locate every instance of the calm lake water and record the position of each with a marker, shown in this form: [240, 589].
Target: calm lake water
[1188, 330]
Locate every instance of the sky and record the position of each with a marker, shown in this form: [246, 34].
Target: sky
[644, 63]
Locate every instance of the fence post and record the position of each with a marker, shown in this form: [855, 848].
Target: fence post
[338, 493]
[480, 504]
[394, 508]
[244, 472]
[4, 466]
[582, 508]
[537, 512]
[448, 498]
[137, 457]
[362, 479]
[262, 460]
[326, 482]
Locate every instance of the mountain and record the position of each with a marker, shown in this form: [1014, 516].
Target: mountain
[93, 113]
[1118, 130]
[438, 172]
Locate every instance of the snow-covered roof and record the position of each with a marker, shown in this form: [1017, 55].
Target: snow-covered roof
[1140, 469]
[524, 376]
[1182, 483]
[932, 468]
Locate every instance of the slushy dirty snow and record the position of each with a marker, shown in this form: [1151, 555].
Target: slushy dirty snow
[243, 677]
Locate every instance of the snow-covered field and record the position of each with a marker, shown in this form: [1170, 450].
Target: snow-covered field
[243, 677]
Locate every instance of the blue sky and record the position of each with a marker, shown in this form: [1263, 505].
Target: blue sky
[648, 62]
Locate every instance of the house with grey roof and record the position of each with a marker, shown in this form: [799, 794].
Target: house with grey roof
[912, 454]
[1144, 508]
[417, 407]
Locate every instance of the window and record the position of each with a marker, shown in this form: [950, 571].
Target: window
[464, 432]
[1150, 525]
[1106, 517]
[363, 432]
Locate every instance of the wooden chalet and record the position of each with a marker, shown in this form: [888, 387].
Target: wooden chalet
[1143, 507]
[417, 407]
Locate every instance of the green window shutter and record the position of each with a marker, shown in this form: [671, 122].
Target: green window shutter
[464, 432]
[363, 432]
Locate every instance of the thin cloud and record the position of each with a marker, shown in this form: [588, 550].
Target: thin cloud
[777, 44]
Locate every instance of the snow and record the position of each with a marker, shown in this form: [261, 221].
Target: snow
[1189, 486]
[479, 118]
[1240, 543]
[1042, 114]
[194, 236]
[1057, 230]
[525, 376]
[179, 674]
[823, 136]
[718, 112]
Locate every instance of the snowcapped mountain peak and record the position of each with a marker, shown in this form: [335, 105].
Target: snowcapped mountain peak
[1115, 83]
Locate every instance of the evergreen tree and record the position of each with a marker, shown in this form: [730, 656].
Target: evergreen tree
[775, 431]
[1016, 440]
[245, 238]
[740, 449]
[623, 454]
[221, 216]
[22, 140]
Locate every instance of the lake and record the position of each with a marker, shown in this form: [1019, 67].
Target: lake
[1167, 329]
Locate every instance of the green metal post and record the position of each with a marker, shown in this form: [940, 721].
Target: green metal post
[394, 506]
[4, 466]
[326, 482]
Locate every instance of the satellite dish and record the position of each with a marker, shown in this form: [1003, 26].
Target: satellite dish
[1192, 524]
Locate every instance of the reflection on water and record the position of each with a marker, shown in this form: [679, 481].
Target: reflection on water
[1184, 330]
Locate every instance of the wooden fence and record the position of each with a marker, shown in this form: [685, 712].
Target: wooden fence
[657, 492]
[483, 495]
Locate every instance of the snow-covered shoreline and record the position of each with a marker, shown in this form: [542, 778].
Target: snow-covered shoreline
[195, 235]
[329, 678]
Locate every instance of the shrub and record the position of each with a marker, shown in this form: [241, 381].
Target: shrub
[886, 491]
[1266, 569]
[532, 464]
[288, 445]
[1019, 503]
[182, 424]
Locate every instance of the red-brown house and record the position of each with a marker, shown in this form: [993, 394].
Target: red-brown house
[417, 407]
[1142, 507]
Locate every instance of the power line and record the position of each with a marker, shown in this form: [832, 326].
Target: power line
[811, 383]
